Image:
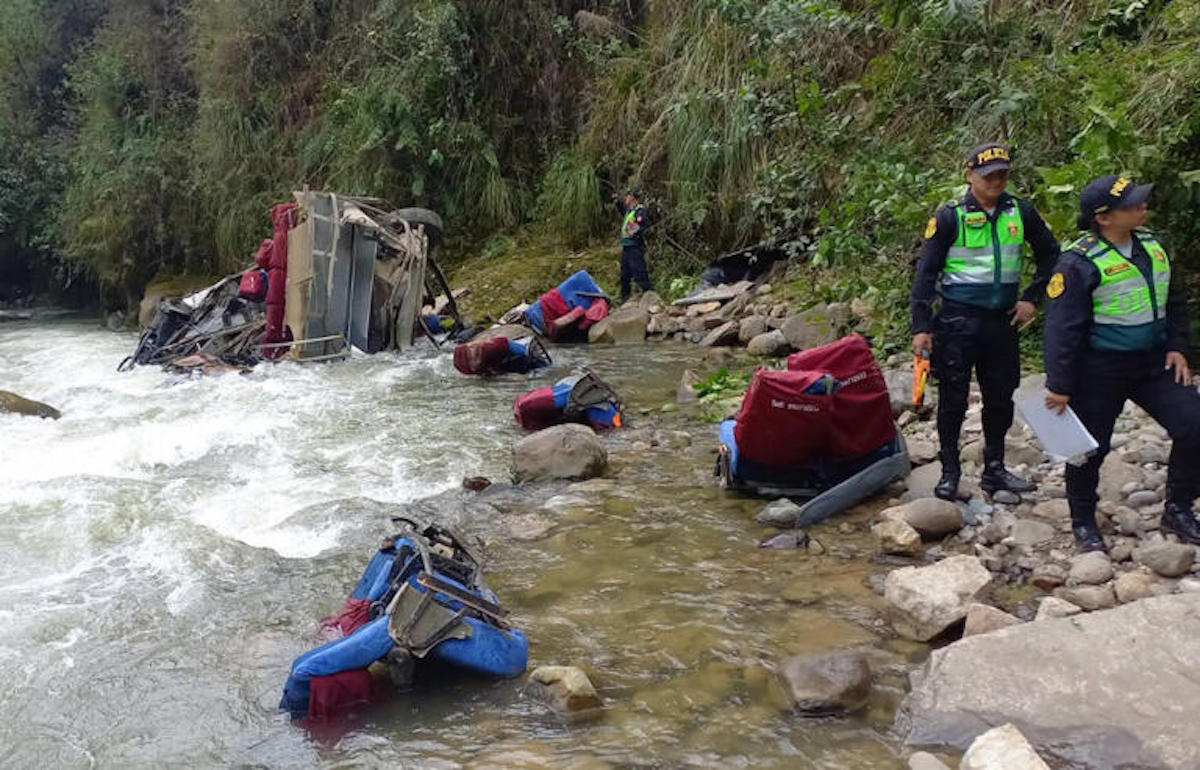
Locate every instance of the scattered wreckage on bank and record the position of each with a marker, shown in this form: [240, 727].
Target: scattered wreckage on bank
[338, 272]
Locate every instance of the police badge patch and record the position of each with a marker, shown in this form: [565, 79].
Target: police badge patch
[931, 228]
[1056, 286]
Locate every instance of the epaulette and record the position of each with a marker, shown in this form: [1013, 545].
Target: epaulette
[1082, 245]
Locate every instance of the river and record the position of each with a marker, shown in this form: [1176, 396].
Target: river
[166, 550]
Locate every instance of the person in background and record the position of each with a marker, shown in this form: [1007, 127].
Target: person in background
[1117, 329]
[634, 222]
[971, 259]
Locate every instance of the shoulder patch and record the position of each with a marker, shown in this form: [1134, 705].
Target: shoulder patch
[1056, 286]
[931, 228]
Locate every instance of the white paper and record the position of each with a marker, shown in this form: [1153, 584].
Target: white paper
[1062, 435]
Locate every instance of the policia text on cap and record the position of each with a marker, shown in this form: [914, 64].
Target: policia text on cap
[1117, 329]
[971, 259]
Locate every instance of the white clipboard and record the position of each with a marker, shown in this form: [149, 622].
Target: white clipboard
[1062, 435]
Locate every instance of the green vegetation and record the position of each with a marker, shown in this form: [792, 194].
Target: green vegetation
[147, 135]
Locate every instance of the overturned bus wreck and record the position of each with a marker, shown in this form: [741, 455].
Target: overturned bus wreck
[339, 272]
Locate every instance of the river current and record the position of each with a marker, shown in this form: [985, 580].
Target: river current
[167, 548]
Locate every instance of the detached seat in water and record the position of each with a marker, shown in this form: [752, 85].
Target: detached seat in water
[821, 430]
[500, 355]
[581, 397]
[568, 310]
[422, 596]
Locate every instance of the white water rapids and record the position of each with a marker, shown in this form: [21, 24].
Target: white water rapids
[167, 549]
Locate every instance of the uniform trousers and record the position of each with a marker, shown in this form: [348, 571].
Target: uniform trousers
[1106, 379]
[967, 338]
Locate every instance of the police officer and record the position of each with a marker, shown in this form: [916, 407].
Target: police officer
[1117, 329]
[634, 222]
[971, 259]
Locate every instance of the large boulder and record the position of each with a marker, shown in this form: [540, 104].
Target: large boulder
[827, 683]
[1002, 748]
[928, 600]
[1110, 689]
[812, 327]
[562, 452]
[12, 403]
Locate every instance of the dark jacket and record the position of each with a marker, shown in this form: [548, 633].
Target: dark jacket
[641, 217]
[932, 257]
[1069, 316]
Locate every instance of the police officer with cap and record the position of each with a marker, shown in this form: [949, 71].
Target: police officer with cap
[971, 259]
[1117, 329]
[634, 222]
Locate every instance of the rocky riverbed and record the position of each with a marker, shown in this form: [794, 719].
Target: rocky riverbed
[905, 623]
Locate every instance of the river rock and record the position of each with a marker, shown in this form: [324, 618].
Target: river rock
[780, 513]
[1110, 689]
[771, 343]
[813, 327]
[1142, 497]
[827, 683]
[921, 481]
[1166, 558]
[925, 761]
[1088, 597]
[562, 452]
[565, 688]
[1115, 473]
[650, 302]
[751, 327]
[1031, 532]
[1131, 586]
[930, 516]
[928, 600]
[1002, 748]
[983, 618]
[628, 325]
[725, 334]
[1091, 568]
[1053, 510]
[1052, 607]
[1048, 577]
[896, 537]
[14, 404]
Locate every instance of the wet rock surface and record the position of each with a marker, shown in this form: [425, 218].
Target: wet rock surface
[827, 683]
[561, 452]
[928, 600]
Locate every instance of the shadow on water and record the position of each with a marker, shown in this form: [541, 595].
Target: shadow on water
[165, 552]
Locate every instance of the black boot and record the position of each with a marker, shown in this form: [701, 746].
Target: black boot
[947, 486]
[1181, 519]
[996, 477]
[1088, 538]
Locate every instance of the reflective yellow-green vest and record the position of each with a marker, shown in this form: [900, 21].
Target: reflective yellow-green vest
[630, 235]
[983, 266]
[1128, 312]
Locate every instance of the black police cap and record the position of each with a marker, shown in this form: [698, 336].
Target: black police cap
[1108, 193]
[989, 157]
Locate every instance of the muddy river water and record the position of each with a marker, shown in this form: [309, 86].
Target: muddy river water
[167, 550]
